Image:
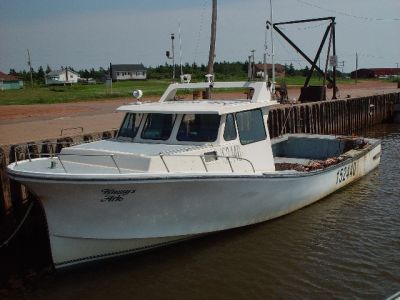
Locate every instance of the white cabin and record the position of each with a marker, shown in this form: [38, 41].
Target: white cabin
[192, 136]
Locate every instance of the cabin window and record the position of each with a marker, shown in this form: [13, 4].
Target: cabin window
[251, 126]
[230, 128]
[158, 126]
[198, 128]
[130, 125]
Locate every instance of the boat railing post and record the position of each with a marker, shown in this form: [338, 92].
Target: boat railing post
[251, 164]
[62, 164]
[29, 153]
[254, 170]
[113, 159]
[165, 164]
[15, 156]
[230, 164]
[203, 161]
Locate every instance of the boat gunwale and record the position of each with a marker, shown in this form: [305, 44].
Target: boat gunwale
[161, 177]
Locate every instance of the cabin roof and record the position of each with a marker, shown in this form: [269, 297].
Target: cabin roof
[260, 97]
[192, 107]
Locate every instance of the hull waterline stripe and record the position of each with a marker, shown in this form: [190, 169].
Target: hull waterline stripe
[120, 253]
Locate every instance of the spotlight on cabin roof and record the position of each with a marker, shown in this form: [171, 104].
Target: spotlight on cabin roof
[137, 94]
[210, 78]
[186, 78]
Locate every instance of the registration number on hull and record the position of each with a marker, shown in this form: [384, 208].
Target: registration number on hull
[346, 172]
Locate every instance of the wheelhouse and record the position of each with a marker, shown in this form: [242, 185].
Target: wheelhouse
[193, 128]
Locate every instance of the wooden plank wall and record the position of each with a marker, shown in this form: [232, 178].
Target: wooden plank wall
[342, 117]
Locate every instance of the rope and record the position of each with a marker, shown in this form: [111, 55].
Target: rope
[5, 243]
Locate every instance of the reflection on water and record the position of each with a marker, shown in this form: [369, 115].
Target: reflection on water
[346, 246]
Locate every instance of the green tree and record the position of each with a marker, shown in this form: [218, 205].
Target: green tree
[40, 74]
[305, 71]
[291, 70]
[48, 69]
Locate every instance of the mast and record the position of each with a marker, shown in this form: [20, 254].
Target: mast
[272, 47]
[211, 55]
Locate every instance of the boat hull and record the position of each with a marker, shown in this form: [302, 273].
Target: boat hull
[93, 219]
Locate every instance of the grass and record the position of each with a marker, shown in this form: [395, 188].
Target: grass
[40, 94]
[299, 80]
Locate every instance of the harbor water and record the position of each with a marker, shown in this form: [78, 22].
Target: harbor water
[346, 246]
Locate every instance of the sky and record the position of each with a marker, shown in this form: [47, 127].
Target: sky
[93, 33]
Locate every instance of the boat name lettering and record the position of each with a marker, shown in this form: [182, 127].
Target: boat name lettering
[346, 172]
[232, 151]
[112, 195]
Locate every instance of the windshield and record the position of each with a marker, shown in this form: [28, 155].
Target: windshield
[130, 125]
[158, 126]
[198, 128]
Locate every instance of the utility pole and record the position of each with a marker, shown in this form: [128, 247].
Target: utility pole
[356, 67]
[30, 66]
[249, 69]
[252, 64]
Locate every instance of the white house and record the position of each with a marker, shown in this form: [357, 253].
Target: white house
[128, 72]
[64, 76]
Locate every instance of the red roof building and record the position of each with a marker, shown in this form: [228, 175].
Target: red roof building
[10, 82]
[6, 77]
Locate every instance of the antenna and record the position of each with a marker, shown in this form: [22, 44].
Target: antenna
[265, 53]
[180, 47]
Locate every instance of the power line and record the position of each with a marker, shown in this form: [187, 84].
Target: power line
[290, 55]
[347, 14]
[312, 27]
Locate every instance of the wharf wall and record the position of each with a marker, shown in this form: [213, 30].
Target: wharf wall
[341, 117]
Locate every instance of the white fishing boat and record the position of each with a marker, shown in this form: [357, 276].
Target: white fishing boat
[180, 169]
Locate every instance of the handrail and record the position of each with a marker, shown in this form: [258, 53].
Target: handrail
[25, 147]
[112, 156]
[202, 157]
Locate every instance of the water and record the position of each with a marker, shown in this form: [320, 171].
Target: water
[345, 246]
